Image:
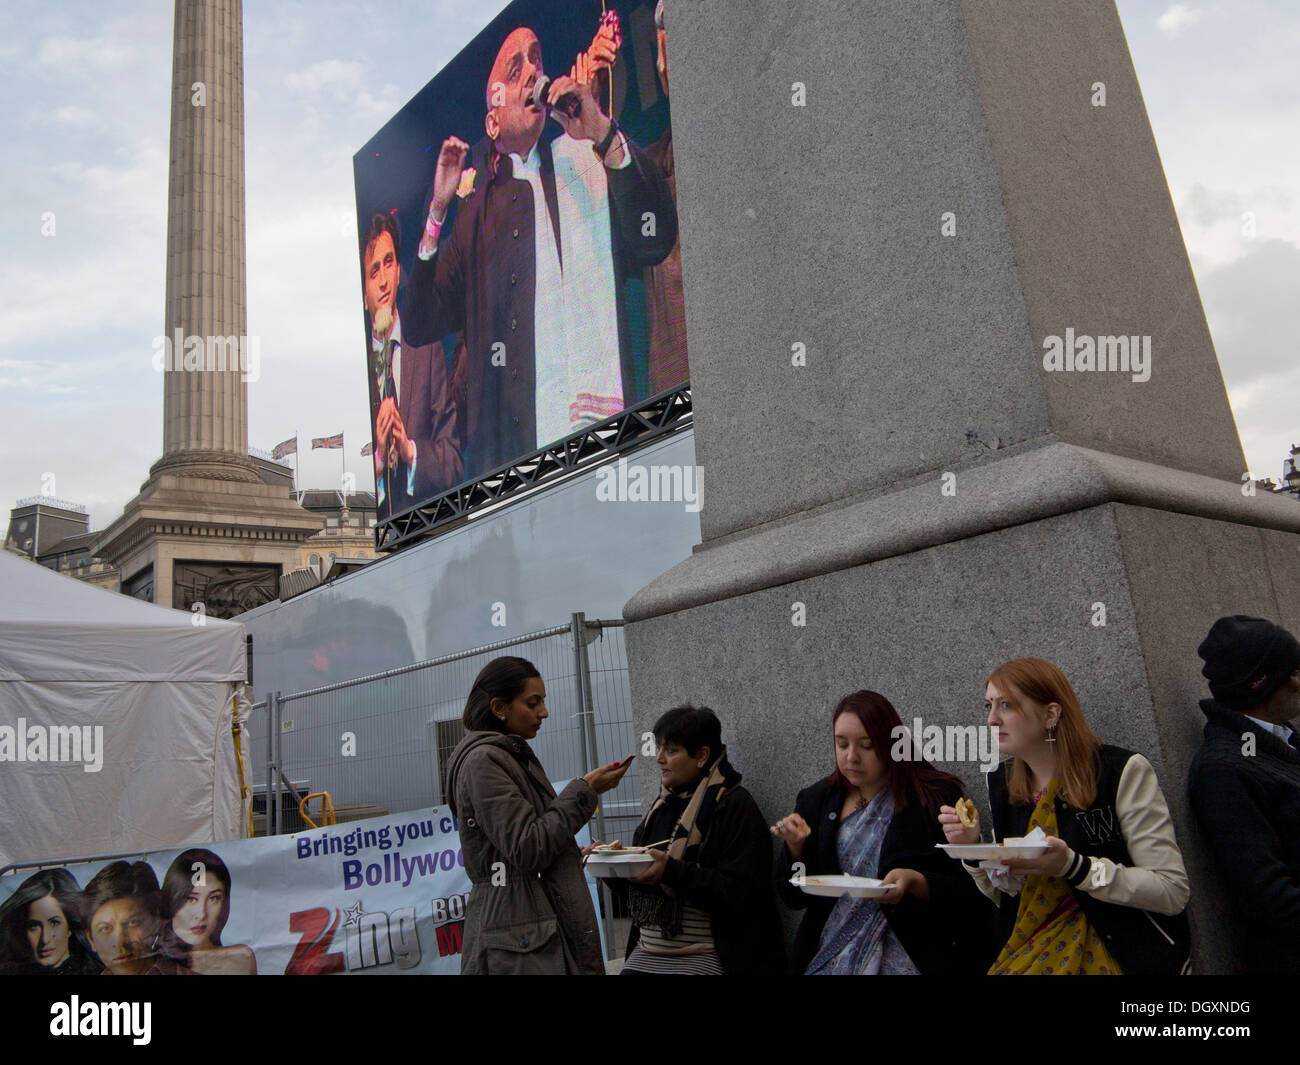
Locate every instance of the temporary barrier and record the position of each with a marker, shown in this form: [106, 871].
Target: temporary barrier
[384, 895]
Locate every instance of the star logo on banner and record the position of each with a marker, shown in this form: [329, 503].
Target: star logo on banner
[352, 915]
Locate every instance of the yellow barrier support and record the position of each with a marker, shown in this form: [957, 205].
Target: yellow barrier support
[326, 807]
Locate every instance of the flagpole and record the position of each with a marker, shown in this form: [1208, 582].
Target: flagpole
[297, 458]
[343, 461]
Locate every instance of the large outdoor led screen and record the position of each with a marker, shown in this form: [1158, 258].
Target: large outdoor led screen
[521, 275]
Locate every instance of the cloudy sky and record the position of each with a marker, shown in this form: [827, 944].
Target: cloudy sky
[86, 86]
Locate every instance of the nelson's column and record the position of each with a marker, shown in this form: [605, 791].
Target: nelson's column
[205, 526]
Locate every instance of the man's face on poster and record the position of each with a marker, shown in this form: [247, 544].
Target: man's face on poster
[118, 930]
[382, 276]
[513, 122]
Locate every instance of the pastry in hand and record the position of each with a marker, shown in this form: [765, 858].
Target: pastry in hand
[966, 813]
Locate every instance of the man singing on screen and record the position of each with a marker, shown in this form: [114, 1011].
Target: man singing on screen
[532, 266]
[417, 453]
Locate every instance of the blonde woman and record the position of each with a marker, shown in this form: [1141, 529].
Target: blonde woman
[1109, 895]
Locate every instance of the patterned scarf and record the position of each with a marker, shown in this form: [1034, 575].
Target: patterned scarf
[853, 939]
[1052, 936]
[657, 906]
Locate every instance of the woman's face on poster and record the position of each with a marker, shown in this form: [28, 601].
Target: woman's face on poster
[117, 932]
[47, 932]
[195, 922]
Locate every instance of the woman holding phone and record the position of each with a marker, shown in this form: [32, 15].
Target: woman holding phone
[529, 911]
[1109, 894]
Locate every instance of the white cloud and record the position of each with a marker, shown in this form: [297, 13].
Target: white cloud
[74, 116]
[1177, 17]
[104, 268]
[328, 73]
[1249, 304]
[333, 81]
[66, 56]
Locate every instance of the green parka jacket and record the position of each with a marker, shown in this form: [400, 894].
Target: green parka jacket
[534, 916]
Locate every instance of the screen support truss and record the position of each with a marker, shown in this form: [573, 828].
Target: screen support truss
[660, 416]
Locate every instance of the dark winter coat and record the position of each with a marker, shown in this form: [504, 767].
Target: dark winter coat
[1248, 805]
[729, 881]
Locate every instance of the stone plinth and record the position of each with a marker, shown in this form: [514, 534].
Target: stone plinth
[201, 520]
[924, 494]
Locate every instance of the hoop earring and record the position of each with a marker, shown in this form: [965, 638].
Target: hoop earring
[1051, 733]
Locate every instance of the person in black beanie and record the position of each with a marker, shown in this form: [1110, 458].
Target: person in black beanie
[1244, 782]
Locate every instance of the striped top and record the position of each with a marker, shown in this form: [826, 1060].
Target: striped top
[696, 936]
[673, 964]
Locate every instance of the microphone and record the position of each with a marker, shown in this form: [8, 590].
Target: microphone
[570, 103]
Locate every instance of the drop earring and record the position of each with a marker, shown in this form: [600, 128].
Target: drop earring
[1051, 733]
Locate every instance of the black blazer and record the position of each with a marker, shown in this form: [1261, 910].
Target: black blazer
[1248, 806]
[952, 933]
[430, 419]
[482, 283]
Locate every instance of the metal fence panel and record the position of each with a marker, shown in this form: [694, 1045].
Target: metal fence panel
[378, 743]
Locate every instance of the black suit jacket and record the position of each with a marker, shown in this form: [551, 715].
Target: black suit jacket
[953, 933]
[482, 282]
[430, 419]
[1248, 805]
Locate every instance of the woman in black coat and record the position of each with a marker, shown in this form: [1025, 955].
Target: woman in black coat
[705, 907]
[876, 817]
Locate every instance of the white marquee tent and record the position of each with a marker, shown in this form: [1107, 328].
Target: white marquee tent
[116, 721]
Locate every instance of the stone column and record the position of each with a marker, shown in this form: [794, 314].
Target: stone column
[205, 423]
[888, 210]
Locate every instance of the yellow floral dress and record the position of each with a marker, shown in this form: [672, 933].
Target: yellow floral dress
[1052, 937]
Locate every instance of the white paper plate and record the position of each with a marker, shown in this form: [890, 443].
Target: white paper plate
[993, 851]
[860, 887]
[614, 866]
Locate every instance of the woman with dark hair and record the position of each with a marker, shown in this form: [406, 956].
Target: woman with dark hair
[706, 906]
[875, 816]
[1109, 895]
[529, 910]
[196, 907]
[41, 932]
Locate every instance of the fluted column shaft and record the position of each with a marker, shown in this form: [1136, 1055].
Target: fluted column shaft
[205, 410]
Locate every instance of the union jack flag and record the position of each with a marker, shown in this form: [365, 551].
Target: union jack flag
[327, 441]
[285, 448]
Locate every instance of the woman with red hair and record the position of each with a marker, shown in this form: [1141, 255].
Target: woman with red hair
[876, 817]
[1109, 894]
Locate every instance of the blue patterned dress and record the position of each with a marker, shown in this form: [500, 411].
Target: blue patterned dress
[857, 939]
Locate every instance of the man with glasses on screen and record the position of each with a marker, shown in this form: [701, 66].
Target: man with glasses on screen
[532, 266]
[416, 448]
